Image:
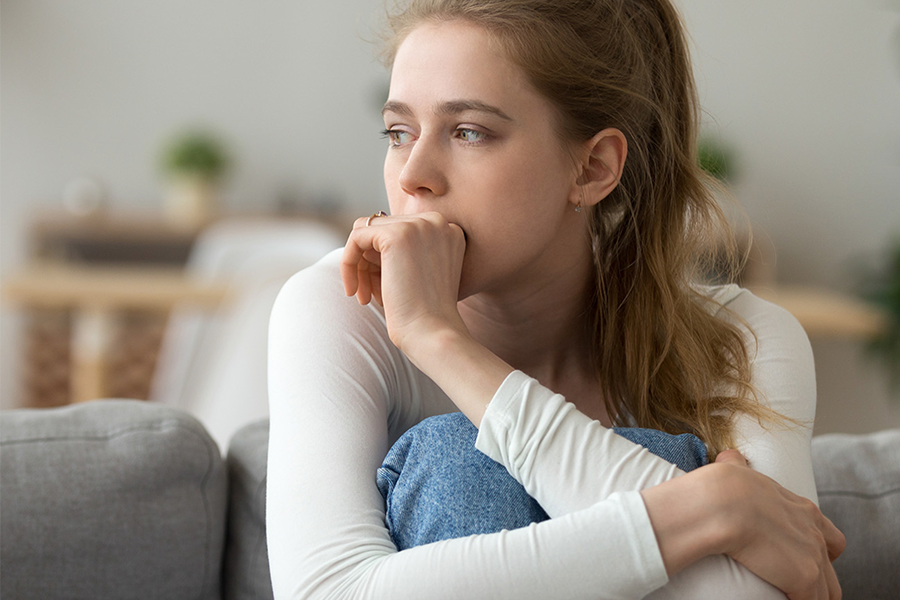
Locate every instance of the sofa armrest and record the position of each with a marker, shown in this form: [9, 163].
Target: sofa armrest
[110, 499]
[246, 575]
[858, 481]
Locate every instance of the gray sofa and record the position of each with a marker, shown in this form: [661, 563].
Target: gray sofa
[125, 499]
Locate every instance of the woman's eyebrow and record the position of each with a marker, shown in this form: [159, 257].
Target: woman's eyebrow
[396, 107]
[457, 106]
[451, 107]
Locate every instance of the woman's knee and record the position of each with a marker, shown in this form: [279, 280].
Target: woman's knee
[685, 451]
[437, 485]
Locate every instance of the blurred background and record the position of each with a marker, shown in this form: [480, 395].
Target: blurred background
[167, 164]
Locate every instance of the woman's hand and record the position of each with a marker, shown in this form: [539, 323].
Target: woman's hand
[728, 508]
[784, 538]
[411, 265]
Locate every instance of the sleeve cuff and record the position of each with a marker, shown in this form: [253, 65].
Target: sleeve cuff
[498, 418]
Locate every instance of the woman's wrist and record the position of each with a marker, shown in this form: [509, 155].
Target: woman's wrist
[691, 518]
[468, 372]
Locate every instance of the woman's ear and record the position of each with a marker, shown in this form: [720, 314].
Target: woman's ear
[602, 160]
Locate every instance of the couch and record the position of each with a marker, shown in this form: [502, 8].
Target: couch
[126, 499]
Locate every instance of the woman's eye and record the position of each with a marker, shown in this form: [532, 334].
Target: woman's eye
[397, 137]
[470, 135]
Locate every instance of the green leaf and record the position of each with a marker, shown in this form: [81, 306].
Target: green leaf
[197, 154]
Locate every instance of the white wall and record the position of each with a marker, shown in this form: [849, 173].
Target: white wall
[96, 86]
[807, 91]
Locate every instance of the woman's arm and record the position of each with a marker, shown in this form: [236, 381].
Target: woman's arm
[335, 384]
[742, 525]
[411, 265]
[549, 446]
[567, 461]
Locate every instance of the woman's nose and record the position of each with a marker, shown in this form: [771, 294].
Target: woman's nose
[424, 171]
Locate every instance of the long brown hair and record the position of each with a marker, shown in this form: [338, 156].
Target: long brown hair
[663, 356]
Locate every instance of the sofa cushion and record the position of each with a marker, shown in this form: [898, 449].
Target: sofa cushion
[858, 480]
[246, 575]
[110, 499]
[857, 476]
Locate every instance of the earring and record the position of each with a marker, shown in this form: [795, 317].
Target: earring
[580, 204]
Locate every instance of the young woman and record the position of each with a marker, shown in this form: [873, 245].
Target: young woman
[534, 274]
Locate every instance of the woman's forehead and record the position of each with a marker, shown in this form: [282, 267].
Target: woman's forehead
[446, 62]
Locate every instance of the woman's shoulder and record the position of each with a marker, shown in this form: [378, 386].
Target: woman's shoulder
[319, 288]
[731, 297]
[769, 330]
[323, 276]
[732, 300]
[719, 294]
[316, 323]
[312, 304]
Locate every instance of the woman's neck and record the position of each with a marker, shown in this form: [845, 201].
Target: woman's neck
[543, 331]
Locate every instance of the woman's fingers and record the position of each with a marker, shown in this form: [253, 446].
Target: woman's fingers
[361, 263]
[834, 539]
[364, 288]
[350, 259]
[823, 585]
[411, 265]
[731, 456]
[375, 278]
[805, 571]
[834, 587]
[782, 537]
[372, 257]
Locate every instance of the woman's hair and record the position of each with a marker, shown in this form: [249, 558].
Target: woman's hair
[662, 355]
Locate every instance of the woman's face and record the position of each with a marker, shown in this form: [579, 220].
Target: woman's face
[470, 138]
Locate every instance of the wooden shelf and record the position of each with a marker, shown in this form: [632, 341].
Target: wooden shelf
[135, 237]
[96, 295]
[97, 298]
[55, 285]
[824, 313]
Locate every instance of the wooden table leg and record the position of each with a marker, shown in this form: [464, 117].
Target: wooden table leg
[91, 338]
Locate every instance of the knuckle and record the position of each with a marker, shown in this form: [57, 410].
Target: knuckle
[822, 545]
[808, 574]
[404, 229]
[841, 541]
[808, 505]
[808, 510]
[436, 220]
[807, 578]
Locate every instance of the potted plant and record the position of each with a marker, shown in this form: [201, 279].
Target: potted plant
[194, 163]
[881, 286]
[716, 158]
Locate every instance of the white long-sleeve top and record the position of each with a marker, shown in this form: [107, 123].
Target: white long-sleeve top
[340, 393]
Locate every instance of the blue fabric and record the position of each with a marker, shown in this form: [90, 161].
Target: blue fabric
[436, 485]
